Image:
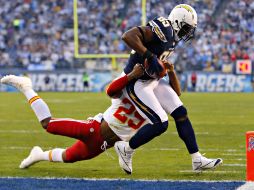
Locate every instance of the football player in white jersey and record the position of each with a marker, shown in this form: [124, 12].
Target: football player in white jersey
[119, 122]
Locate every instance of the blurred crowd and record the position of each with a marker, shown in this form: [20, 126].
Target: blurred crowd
[36, 33]
[224, 39]
[39, 33]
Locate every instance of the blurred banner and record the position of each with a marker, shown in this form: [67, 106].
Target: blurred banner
[97, 82]
[218, 82]
[67, 82]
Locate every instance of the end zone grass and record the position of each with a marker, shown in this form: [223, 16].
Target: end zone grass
[220, 122]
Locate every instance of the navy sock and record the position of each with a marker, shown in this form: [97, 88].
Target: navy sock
[147, 133]
[186, 133]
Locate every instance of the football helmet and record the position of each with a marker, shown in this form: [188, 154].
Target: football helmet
[183, 19]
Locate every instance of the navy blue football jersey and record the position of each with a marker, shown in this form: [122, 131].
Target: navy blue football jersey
[162, 44]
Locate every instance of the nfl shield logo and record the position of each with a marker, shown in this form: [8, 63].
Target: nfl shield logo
[251, 144]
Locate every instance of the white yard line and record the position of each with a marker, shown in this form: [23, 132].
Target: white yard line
[233, 154]
[235, 165]
[197, 133]
[22, 148]
[220, 150]
[209, 171]
[15, 148]
[22, 131]
[164, 149]
[16, 120]
[202, 150]
[237, 159]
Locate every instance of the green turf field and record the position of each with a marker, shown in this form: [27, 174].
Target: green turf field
[220, 122]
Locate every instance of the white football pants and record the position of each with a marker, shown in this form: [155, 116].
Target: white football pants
[153, 99]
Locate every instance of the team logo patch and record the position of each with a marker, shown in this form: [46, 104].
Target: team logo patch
[251, 143]
[185, 7]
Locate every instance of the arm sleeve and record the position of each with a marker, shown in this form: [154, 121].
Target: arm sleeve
[117, 86]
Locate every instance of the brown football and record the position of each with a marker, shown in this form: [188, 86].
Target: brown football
[156, 75]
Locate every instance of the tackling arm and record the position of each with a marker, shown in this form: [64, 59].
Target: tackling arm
[116, 86]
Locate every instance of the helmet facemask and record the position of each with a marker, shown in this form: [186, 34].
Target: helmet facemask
[186, 32]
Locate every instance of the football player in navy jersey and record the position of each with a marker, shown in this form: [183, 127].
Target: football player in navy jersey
[153, 97]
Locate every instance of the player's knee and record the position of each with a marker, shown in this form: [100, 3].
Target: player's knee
[45, 122]
[180, 114]
[162, 127]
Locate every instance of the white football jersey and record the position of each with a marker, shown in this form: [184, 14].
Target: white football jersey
[123, 118]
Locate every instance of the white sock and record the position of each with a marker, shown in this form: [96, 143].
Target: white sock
[30, 94]
[195, 155]
[39, 107]
[55, 155]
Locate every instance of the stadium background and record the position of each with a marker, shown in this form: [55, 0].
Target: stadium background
[41, 37]
[61, 44]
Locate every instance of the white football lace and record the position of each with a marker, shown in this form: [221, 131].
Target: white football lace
[104, 148]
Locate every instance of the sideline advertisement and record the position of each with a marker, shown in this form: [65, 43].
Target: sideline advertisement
[219, 82]
[66, 82]
[190, 81]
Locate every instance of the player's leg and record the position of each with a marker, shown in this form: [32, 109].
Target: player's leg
[37, 155]
[24, 85]
[97, 138]
[142, 95]
[146, 103]
[78, 151]
[89, 148]
[172, 104]
[84, 150]
[186, 133]
[77, 129]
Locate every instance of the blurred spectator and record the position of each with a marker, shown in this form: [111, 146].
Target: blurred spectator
[86, 82]
[193, 81]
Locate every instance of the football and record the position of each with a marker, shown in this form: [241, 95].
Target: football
[152, 74]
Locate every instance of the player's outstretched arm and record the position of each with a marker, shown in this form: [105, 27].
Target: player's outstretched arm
[173, 80]
[116, 86]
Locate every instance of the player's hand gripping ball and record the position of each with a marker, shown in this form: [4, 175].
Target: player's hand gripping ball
[155, 69]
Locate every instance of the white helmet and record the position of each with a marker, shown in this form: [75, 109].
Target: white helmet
[183, 19]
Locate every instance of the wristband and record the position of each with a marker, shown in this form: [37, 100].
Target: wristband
[147, 55]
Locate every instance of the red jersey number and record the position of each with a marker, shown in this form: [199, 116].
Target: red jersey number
[122, 114]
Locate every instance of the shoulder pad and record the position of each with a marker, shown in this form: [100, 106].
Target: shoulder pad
[162, 28]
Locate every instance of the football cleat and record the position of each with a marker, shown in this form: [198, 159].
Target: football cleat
[21, 83]
[202, 163]
[124, 156]
[33, 158]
